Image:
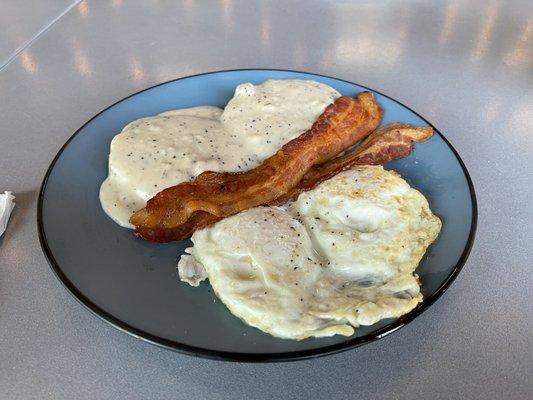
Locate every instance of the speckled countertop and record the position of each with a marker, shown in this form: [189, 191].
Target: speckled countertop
[467, 66]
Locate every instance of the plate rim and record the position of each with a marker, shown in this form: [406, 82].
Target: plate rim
[254, 357]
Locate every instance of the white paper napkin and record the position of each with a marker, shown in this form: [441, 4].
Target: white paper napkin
[6, 206]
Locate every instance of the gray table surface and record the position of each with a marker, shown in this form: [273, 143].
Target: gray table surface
[465, 65]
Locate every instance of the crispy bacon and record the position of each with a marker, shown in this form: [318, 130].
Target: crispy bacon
[171, 213]
[386, 144]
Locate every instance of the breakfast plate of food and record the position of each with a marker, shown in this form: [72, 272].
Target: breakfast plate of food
[257, 215]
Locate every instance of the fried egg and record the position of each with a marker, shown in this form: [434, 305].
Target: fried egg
[340, 256]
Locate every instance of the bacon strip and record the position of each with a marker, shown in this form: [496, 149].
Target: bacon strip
[386, 144]
[342, 124]
[391, 142]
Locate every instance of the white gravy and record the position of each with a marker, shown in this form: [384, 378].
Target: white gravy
[153, 153]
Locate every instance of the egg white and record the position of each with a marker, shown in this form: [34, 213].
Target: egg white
[340, 256]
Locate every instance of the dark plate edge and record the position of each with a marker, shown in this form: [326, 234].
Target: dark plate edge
[250, 357]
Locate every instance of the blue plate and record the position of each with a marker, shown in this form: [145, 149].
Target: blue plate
[133, 284]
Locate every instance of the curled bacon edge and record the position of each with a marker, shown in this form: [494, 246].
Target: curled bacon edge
[391, 142]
